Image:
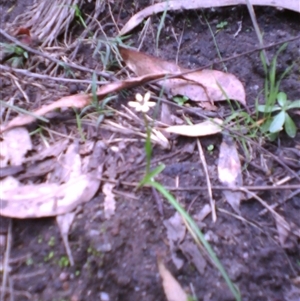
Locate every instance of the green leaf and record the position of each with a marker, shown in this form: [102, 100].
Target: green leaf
[277, 122]
[294, 105]
[289, 126]
[19, 51]
[267, 109]
[181, 100]
[281, 98]
[149, 178]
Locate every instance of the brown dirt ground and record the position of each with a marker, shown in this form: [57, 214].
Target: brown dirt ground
[118, 256]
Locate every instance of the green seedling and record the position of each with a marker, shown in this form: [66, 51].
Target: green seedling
[281, 119]
[15, 54]
[49, 256]
[181, 100]
[221, 25]
[78, 15]
[276, 101]
[63, 262]
[161, 23]
[210, 148]
[51, 242]
[110, 56]
[29, 261]
[96, 108]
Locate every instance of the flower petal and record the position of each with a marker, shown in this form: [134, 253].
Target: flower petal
[133, 104]
[151, 104]
[147, 96]
[139, 97]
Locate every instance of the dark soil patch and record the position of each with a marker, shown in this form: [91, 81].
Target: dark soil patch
[117, 257]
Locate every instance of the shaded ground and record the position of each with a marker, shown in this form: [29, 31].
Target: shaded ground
[116, 258]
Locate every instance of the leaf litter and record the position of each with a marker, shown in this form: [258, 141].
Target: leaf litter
[185, 131]
[204, 85]
[73, 182]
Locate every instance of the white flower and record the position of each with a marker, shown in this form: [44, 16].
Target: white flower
[142, 104]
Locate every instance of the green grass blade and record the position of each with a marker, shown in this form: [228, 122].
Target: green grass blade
[199, 235]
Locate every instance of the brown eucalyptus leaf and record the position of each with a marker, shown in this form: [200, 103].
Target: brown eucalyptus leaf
[204, 85]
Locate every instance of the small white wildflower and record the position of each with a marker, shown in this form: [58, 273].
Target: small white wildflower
[142, 104]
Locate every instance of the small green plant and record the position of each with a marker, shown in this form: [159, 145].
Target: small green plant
[49, 256]
[96, 108]
[210, 149]
[222, 25]
[51, 241]
[181, 100]
[272, 125]
[15, 54]
[78, 15]
[281, 119]
[63, 262]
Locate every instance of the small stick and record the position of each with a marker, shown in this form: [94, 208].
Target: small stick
[211, 200]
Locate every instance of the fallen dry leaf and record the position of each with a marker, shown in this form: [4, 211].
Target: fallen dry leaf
[175, 232]
[42, 200]
[229, 171]
[61, 196]
[79, 100]
[173, 5]
[14, 146]
[109, 200]
[172, 288]
[204, 85]
[192, 253]
[205, 128]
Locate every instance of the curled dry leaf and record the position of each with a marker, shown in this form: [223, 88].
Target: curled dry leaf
[173, 5]
[42, 200]
[205, 128]
[204, 85]
[230, 172]
[172, 288]
[61, 196]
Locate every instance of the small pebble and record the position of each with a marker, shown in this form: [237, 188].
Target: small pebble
[104, 296]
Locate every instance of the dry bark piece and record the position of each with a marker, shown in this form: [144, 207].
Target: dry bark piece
[204, 85]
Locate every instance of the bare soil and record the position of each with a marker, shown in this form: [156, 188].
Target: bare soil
[116, 258]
